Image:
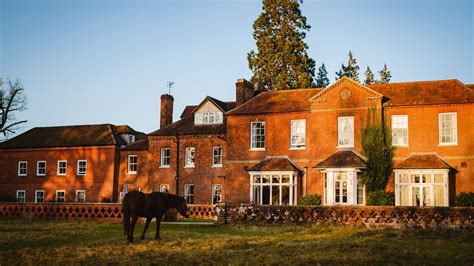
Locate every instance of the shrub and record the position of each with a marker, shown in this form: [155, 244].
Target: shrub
[106, 199]
[310, 199]
[465, 199]
[380, 198]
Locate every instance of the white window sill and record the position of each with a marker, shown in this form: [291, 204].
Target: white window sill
[297, 148]
[131, 173]
[257, 149]
[40, 175]
[81, 174]
[189, 166]
[401, 145]
[21, 175]
[164, 166]
[61, 174]
[448, 144]
[217, 166]
[344, 147]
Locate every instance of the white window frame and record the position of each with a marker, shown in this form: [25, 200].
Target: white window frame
[218, 156]
[454, 128]
[165, 188]
[208, 118]
[163, 158]
[186, 194]
[36, 196]
[214, 191]
[399, 127]
[38, 168]
[59, 191]
[24, 195]
[257, 185]
[431, 185]
[253, 136]
[77, 192]
[341, 134]
[190, 157]
[59, 168]
[80, 173]
[20, 168]
[295, 136]
[130, 164]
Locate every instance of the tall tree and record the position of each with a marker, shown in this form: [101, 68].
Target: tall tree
[369, 77]
[322, 80]
[385, 75]
[351, 70]
[281, 60]
[12, 100]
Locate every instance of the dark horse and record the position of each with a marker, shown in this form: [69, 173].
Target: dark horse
[137, 204]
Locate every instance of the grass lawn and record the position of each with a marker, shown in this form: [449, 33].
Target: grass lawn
[39, 242]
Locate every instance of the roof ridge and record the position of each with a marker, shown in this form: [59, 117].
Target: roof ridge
[81, 125]
[417, 81]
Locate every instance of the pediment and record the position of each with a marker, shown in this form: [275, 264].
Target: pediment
[345, 88]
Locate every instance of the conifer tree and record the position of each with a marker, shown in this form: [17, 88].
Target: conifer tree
[351, 70]
[385, 75]
[322, 80]
[281, 60]
[369, 77]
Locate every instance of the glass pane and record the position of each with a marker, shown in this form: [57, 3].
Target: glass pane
[266, 179]
[415, 178]
[404, 178]
[266, 195]
[276, 179]
[256, 195]
[344, 192]
[285, 179]
[285, 195]
[337, 191]
[426, 178]
[427, 196]
[256, 179]
[275, 195]
[415, 196]
[404, 196]
[439, 195]
[438, 178]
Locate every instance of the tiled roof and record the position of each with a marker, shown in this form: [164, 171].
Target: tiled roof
[342, 159]
[277, 101]
[137, 145]
[424, 92]
[275, 164]
[66, 136]
[126, 129]
[423, 161]
[188, 111]
[471, 86]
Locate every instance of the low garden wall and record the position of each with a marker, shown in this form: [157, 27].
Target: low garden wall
[86, 211]
[386, 216]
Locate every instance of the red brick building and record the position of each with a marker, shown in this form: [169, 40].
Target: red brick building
[273, 147]
[67, 163]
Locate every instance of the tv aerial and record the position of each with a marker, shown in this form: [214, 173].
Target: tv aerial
[169, 84]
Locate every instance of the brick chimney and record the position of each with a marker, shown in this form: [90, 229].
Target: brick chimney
[244, 91]
[166, 110]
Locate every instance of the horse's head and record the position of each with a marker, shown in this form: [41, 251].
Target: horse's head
[182, 207]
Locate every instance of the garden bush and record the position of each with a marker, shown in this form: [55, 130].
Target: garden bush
[380, 198]
[465, 199]
[310, 199]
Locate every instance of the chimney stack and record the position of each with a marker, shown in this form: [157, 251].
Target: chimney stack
[244, 91]
[166, 110]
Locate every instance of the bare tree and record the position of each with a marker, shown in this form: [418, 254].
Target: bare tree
[12, 100]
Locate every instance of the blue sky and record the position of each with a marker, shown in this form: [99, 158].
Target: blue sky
[107, 61]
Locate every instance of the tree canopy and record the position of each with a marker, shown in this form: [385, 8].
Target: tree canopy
[322, 80]
[281, 60]
[351, 70]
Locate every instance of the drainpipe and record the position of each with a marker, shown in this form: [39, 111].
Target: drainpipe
[177, 164]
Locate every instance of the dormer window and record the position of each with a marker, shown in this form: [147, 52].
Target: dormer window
[206, 118]
[131, 138]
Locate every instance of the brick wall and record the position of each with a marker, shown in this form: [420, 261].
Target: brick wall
[394, 217]
[98, 181]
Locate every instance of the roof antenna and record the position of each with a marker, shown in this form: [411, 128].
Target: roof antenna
[169, 84]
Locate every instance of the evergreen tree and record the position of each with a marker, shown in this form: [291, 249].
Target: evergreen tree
[385, 75]
[322, 77]
[281, 60]
[351, 70]
[369, 77]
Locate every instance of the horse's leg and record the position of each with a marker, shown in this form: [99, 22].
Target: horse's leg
[132, 227]
[158, 223]
[126, 223]
[147, 223]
